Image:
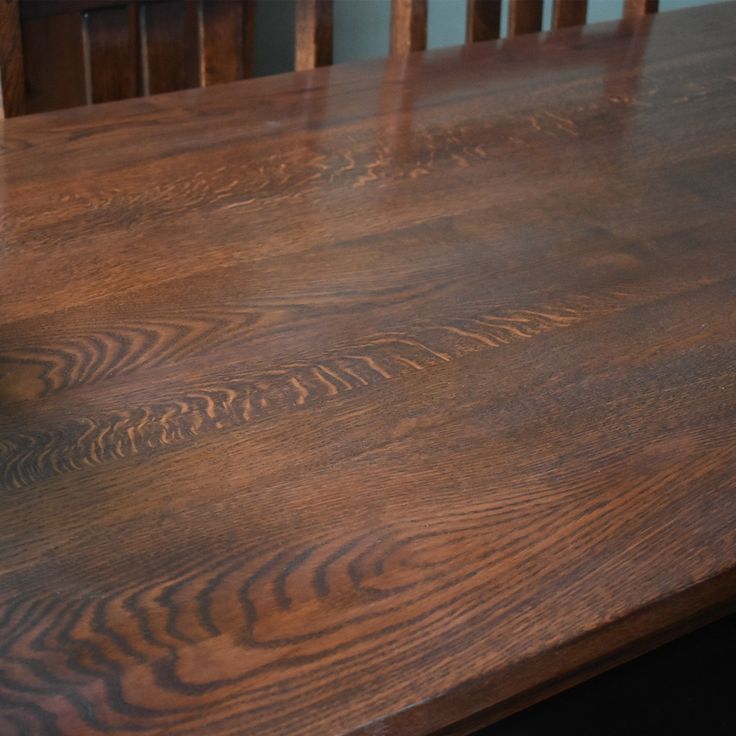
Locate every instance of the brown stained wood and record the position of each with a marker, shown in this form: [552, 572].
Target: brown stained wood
[313, 30]
[101, 50]
[525, 16]
[222, 29]
[305, 429]
[635, 8]
[483, 20]
[408, 26]
[112, 53]
[12, 80]
[44, 8]
[53, 60]
[249, 35]
[567, 13]
[169, 45]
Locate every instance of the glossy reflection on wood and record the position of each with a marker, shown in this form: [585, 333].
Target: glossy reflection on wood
[387, 398]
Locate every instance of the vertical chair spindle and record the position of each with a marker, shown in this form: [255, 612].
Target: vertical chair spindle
[408, 26]
[483, 20]
[313, 34]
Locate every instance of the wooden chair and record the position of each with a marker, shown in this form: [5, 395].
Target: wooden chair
[409, 23]
[62, 53]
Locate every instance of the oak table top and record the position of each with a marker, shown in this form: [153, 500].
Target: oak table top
[382, 399]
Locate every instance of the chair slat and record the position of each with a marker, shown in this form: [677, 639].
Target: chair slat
[249, 37]
[408, 26]
[53, 61]
[635, 8]
[313, 34]
[12, 79]
[221, 54]
[525, 16]
[567, 13]
[111, 56]
[169, 45]
[484, 20]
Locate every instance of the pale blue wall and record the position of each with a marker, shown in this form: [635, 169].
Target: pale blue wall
[361, 27]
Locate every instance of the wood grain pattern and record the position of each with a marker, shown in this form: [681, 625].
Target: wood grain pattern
[525, 16]
[313, 29]
[384, 399]
[12, 77]
[483, 20]
[567, 13]
[408, 26]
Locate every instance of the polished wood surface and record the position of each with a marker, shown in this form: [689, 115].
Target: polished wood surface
[384, 398]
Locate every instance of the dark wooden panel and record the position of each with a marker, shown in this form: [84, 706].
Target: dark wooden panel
[112, 53]
[372, 399]
[222, 51]
[54, 62]
[408, 26]
[170, 45]
[12, 80]
[313, 34]
[483, 20]
[569, 13]
[525, 16]
[44, 8]
[635, 8]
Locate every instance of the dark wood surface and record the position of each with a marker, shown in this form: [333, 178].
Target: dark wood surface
[386, 398]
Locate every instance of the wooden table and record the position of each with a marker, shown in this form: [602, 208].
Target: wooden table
[384, 399]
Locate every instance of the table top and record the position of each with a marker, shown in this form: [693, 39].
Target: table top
[381, 399]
